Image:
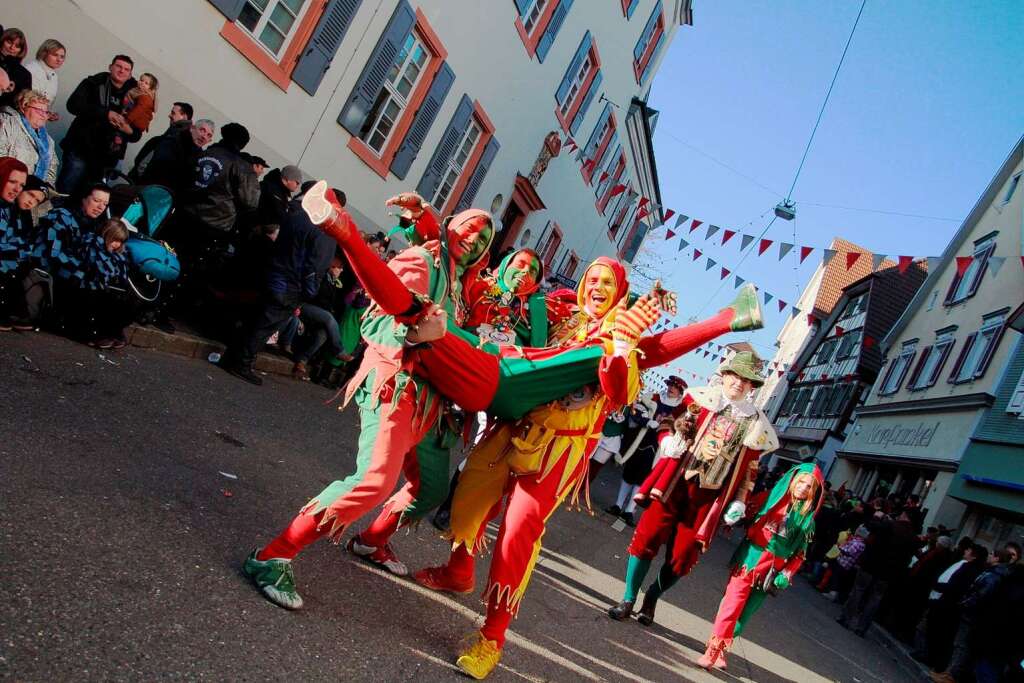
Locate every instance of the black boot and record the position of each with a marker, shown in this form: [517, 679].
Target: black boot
[646, 614]
[614, 510]
[621, 611]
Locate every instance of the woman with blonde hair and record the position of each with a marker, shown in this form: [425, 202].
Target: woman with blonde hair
[23, 134]
[769, 557]
[140, 102]
[13, 48]
[50, 56]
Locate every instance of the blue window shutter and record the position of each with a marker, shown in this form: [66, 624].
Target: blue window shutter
[646, 34]
[551, 30]
[653, 59]
[574, 66]
[229, 8]
[322, 46]
[595, 85]
[356, 108]
[522, 6]
[593, 141]
[445, 148]
[631, 8]
[477, 179]
[316, 56]
[422, 121]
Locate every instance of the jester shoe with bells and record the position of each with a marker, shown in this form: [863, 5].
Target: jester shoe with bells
[714, 656]
[479, 659]
[747, 314]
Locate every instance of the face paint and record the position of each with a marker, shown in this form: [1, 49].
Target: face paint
[522, 272]
[600, 291]
[468, 240]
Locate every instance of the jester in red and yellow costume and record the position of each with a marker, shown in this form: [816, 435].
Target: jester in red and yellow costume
[769, 557]
[706, 483]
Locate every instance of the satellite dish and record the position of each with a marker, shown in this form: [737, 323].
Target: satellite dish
[496, 203]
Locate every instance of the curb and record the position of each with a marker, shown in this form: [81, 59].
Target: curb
[186, 345]
[898, 648]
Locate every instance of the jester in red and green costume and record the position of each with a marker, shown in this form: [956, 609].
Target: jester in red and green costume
[769, 557]
[412, 367]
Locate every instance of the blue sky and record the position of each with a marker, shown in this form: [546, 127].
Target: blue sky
[929, 102]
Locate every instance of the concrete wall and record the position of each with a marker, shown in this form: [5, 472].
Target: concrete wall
[180, 43]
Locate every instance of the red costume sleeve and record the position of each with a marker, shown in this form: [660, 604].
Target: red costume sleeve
[660, 476]
[792, 565]
[613, 374]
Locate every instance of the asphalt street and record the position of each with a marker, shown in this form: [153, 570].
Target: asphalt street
[135, 483]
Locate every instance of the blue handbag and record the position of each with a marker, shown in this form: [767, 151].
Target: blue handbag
[153, 258]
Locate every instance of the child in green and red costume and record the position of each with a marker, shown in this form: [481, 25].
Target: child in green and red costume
[771, 555]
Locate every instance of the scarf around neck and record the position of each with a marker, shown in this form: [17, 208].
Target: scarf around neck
[41, 140]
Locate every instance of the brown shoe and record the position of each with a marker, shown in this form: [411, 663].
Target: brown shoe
[299, 372]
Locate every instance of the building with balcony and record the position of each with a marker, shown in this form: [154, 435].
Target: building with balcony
[471, 104]
[946, 357]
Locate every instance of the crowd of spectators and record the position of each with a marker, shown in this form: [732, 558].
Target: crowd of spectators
[253, 268]
[952, 602]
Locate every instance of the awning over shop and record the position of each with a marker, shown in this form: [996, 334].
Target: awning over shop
[992, 475]
[902, 461]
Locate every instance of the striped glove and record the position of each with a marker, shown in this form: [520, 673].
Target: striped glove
[631, 323]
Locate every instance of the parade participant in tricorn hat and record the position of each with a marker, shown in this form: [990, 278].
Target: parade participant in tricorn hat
[707, 484]
[769, 557]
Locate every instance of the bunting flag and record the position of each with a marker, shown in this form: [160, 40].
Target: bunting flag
[696, 224]
[682, 219]
[868, 342]
[876, 261]
[905, 262]
[604, 177]
[633, 194]
[805, 252]
[782, 305]
[725, 273]
[739, 282]
[839, 331]
[669, 235]
[795, 312]
[781, 373]
[669, 214]
[710, 264]
[745, 241]
[851, 258]
[810, 318]
[643, 202]
[712, 229]
[618, 189]
[727, 235]
[996, 262]
[784, 248]
[763, 247]
[683, 244]
[767, 298]
[706, 353]
[697, 254]
[827, 257]
[962, 263]
[588, 166]
[642, 213]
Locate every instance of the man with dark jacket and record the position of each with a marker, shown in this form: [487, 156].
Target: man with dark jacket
[170, 159]
[276, 190]
[302, 255]
[99, 135]
[886, 557]
[224, 185]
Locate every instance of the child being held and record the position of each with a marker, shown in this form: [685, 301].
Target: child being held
[673, 443]
[140, 102]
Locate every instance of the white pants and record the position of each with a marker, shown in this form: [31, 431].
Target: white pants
[625, 500]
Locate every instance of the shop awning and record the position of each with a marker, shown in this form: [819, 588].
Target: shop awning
[899, 461]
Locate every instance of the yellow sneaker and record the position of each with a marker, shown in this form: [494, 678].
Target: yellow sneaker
[479, 659]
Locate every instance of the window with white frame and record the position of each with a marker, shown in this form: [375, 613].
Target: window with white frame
[532, 15]
[1016, 404]
[457, 164]
[858, 305]
[932, 359]
[825, 351]
[405, 72]
[898, 369]
[578, 79]
[849, 345]
[965, 286]
[272, 22]
[978, 350]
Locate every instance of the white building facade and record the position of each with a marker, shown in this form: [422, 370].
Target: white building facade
[470, 103]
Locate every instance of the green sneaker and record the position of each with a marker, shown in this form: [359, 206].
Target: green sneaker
[275, 580]
[747, 309]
